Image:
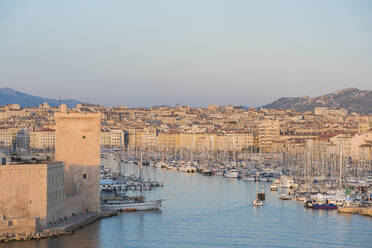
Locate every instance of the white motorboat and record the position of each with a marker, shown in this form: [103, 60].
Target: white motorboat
[231, 174]
[257, 202]
[249, 179]
[285, 197]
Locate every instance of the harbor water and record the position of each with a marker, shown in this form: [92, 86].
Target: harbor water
[216, 212]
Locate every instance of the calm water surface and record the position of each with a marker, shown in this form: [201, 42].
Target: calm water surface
[217, 212]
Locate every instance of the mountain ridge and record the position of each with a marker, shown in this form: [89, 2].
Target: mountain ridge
[351, 99]
[10, 96]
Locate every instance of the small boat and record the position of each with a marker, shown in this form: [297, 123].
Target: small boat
[188, 169]
[257, 203]
[274, 187]
[218, 173]
[131, 206]
[301, 198]
[231, 174]
[316, 205]
[287, 182]
[324, 206]
[249, 179]
[206, 172]
[262, 179]
[285, 197]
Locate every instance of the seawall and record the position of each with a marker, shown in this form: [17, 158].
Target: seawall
[65, 228]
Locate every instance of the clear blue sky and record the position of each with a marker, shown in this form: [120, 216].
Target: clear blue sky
[141, 53]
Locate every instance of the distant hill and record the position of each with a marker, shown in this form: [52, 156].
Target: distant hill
[352, 99]
[9, 96]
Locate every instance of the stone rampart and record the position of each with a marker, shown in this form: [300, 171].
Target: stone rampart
[19, 226]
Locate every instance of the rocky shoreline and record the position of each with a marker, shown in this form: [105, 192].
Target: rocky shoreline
[67, 229]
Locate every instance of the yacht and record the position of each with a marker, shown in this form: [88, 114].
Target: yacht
[130, 206]
[231, 174]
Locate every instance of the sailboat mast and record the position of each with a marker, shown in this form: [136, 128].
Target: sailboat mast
[341, 160]
[141, 164]
[121, 165]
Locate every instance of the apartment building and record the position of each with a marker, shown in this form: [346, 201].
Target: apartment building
[42, 139]
[268, 131]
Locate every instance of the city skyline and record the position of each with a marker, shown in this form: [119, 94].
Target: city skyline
[145, 54]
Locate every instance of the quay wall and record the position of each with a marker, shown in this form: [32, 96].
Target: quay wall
[66, 228]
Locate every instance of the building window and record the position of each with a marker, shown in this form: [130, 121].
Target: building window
[84, 137]
[85, 176]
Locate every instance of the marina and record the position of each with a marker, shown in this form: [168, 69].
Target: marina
[317, 191]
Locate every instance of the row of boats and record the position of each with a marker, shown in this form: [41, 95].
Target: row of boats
[329, 199]
[313, 196]
[251, 175]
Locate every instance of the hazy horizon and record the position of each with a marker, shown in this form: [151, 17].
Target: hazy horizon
[176, 104]
[190, 53]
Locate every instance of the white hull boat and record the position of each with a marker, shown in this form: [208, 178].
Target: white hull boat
[249, 179]
[285, 197]
[130, 207]
[231, 174]
[257, 203]
[262, 179]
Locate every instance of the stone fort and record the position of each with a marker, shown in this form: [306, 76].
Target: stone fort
[35, 195]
